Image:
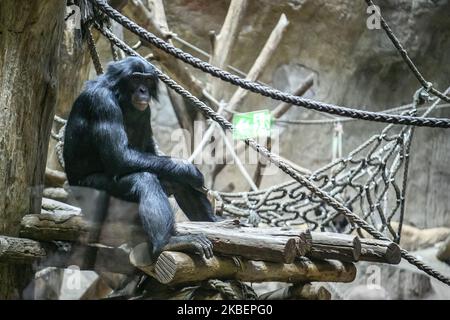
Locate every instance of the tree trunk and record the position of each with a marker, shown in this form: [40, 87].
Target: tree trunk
[75, 63]
[30, 38]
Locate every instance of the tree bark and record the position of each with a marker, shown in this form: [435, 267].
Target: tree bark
[30, 38]
[75, 64]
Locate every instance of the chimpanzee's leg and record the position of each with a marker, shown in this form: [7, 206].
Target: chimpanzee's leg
[155, 212]
[194, 203]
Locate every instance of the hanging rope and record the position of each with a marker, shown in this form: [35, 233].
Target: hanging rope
[93, 51]
[341, 120]
[404, 54]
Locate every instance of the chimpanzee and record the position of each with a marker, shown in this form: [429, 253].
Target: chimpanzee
[109, 146]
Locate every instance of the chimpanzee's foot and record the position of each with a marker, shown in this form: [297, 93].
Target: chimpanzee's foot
[197, 243]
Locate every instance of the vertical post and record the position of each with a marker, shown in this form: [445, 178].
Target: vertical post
[30, 38]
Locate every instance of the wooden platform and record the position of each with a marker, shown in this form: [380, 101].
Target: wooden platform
[241, 252]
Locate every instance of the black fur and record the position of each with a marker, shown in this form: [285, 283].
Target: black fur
[109, 146]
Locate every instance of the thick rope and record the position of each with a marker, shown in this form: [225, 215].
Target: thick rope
[223, 288]
[341, 120]
[225, 124]
[229, 292]
[262, 89]
[93, 51]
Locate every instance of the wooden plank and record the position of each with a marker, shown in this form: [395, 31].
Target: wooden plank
[180, 268]
[54, 178]
[22, 251]
[380, 251]
[227, 238]
[342, 247]
[26, 251]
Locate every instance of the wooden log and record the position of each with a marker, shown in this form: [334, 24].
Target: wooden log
[380, 251]
[224, 42]
[17, 250]
[26, 251]
[140, 258]
[53, 206]
[278, 294]
[58, 194]
[309, 292]
[326, 245]
[66, 226]
[112, 259]
[269, 244]
[302, 236]
[179, 268]
[49, 226]
[54, 178]
[233, 240]
[298, 291]
[261, 62]
[229, 238]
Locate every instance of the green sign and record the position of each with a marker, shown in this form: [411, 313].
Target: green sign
[252, 124]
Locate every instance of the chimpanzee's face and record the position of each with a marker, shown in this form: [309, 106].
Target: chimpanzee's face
[140, 95]
[141, 91]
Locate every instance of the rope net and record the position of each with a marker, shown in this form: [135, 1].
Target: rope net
[370, 182]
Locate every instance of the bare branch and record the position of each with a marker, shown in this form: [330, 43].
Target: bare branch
[224, 41]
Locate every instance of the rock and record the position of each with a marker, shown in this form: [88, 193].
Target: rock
[368, 293]
[443, 253]
[58, 194]
[399, 282]
[58, 207]
[415, 238]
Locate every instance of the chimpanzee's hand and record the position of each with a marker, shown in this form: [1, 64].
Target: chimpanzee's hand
[189, 173]
[196, 243]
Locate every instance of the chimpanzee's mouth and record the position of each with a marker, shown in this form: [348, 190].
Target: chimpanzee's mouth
[141, 105]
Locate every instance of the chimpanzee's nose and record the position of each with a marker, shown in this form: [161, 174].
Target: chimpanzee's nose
[142, 90]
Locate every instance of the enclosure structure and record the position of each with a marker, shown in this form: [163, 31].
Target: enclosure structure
[365, 189]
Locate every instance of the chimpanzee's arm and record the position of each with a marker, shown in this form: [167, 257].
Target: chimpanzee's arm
[153, 147]
[108, 134]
